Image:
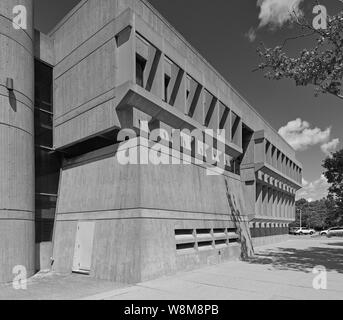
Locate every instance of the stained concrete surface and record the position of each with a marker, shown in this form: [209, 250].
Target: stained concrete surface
[49, 286]
[279, 271]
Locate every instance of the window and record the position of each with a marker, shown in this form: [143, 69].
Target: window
[47, 162]
[236, 129]
[191, 241]
[140, 67]
[166, 86]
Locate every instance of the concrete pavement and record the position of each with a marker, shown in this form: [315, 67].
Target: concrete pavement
[280, 271]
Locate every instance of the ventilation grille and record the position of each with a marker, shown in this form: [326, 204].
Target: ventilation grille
[193, 240]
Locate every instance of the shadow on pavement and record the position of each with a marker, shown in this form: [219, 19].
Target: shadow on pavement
[302, 259]
[336, 244]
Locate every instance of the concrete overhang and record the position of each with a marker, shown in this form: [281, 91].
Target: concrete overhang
[269, 219]
[261, 134]
[276, 174]
[138, 98]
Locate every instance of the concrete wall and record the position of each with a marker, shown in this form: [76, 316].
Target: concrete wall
[137, 209]
[43, 256]
[16, 143]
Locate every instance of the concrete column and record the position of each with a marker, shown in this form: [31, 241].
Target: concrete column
[17, 178]
[282, 205]
[286, 205]
[258, 204]
[264, 200]
[274, 157]
[279, 204]
[270, 202]
[274, 207]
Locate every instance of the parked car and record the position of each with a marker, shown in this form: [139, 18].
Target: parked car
[324, 232]
[335, 232]
[293, 230]
[303, 230]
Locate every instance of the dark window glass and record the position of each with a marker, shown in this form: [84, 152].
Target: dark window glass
[166, 85]
[140, 67]
[47, 162]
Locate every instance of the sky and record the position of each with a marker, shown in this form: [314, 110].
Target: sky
[227, 34]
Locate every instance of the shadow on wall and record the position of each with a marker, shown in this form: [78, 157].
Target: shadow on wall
[247, 249]
[302, 259]
[13, 101]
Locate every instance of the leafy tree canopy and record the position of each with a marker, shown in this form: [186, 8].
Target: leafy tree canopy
[321, 66]
[334, 175]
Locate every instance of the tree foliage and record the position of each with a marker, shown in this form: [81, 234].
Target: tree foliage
[321, 214]
[334, 175]
[321, 66]
[327, 212]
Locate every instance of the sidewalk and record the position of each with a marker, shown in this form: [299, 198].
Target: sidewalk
[281, 271]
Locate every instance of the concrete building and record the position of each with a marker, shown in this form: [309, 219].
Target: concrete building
[111, 65]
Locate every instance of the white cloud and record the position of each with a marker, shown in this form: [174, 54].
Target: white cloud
[315, 190]
[251, 34]
[300, 136]
[304, 182]
[276, 13]
[330, 147]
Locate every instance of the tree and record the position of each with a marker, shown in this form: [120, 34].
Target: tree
[334, 175]
[321, 214]
[321, 66]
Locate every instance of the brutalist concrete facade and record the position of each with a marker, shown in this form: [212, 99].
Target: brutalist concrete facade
[17, 178]
[112, 65]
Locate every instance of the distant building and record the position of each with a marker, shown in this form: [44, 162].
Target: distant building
[111, 65]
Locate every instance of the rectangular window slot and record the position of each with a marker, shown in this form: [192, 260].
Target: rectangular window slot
[187, 241]
[180, 232]
[219, 234]
[203, 231]
[184, 236]
[185, 247]
[166, 86]
[233, 240]
[205, 245]
[220, 243]
[140, 67]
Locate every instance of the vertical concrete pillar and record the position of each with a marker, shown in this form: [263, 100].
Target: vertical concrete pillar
[289, 207]
[282, 214]
[270, 201]
[279, 204]
[17, 241]
[274, 203]
[286, 206]
[264, 200]
[258, 205]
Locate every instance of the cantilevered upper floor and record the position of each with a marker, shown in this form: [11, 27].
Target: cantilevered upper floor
[116, 62]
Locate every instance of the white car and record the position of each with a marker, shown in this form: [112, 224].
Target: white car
[324, 232]
[302, 231]
[335, 232]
